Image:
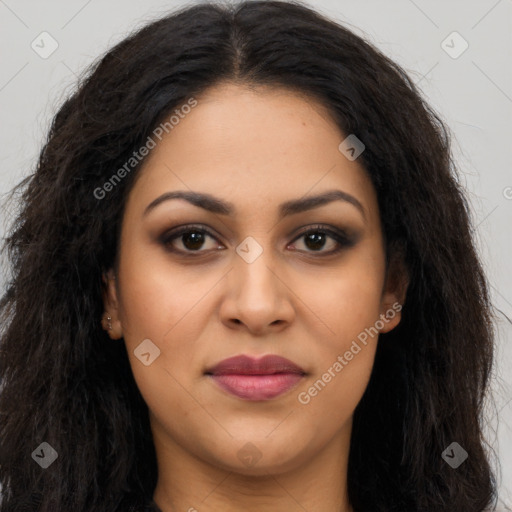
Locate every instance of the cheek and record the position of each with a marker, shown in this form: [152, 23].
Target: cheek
[348, 298]
[328, 400]
[166, 304]
[343, 358]
[158, 303]
[154, 293]
[349, 308]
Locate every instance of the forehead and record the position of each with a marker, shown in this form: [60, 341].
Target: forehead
[256, 145]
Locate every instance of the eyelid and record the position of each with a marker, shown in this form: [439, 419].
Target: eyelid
[324, 228]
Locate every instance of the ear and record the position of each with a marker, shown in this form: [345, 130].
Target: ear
[394, 292]
[110, 303]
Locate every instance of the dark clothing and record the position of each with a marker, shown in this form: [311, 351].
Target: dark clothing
[149, 506]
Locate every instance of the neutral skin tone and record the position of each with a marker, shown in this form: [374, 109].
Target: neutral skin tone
[200, 303]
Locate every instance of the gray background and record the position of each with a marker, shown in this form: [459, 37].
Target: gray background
[473, 94]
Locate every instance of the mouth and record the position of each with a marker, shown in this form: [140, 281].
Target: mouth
[256, 379]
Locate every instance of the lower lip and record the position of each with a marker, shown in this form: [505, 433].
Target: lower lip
[257, 387]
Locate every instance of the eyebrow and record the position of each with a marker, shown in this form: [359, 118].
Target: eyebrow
[221, 207]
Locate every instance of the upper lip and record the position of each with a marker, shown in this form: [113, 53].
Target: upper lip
[246, 365]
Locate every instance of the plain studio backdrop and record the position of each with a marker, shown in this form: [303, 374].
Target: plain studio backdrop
[457, 52]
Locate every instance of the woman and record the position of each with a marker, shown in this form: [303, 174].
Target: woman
[244, 279]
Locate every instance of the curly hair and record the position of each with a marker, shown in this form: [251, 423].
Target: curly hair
[65, 383]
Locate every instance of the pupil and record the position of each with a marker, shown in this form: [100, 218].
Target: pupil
[196, 239]
[317, 240]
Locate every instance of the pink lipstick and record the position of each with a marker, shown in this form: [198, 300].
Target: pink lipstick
[256, 379]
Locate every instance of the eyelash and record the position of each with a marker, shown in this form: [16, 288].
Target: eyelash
[343, 240]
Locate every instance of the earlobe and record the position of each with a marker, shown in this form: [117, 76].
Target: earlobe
[390, 315]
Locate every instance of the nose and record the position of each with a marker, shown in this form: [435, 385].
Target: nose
[257, 297]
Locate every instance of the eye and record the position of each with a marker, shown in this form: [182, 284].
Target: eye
[315, 239]
[192, 240]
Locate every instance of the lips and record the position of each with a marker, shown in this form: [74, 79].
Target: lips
[256, 379]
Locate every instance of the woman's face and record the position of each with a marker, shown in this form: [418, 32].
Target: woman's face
[253, 283]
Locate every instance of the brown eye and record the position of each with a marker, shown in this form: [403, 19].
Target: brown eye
[315, 240]
[191, 238]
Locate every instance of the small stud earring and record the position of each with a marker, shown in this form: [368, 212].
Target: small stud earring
[109, 320]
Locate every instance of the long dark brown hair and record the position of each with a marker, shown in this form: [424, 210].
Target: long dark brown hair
[64, 382]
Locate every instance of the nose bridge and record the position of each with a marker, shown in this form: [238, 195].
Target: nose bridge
[256, 296]
[253, 268]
